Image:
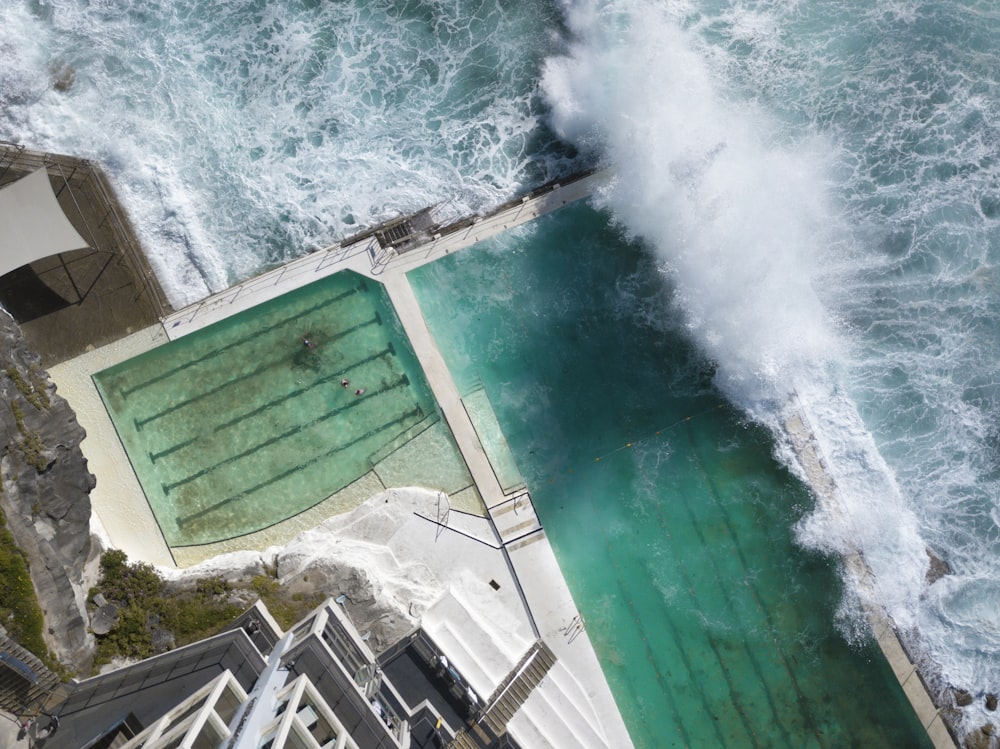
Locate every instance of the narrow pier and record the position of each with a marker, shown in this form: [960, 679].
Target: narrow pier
[906, 672]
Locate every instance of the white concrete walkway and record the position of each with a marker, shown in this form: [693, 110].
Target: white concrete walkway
[445, 392]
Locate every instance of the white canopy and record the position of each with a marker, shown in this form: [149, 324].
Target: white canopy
[32, 225]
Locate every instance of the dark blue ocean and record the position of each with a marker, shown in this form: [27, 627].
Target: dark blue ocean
[803, 208]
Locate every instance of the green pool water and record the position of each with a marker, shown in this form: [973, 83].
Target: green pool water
[669, 517]
[240, 425]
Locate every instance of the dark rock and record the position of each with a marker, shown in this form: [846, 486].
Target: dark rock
[962, 698]
[46, 491]
[63, 77]
[104, 619]
[981, 738]
[991, 702]
[938, 568]
[162, 639]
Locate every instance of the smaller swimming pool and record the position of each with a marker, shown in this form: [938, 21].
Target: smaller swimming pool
[261, 416]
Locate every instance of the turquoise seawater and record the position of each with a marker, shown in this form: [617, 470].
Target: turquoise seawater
[809, 214]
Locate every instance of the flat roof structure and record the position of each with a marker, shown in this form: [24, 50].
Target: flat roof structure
[86, 298]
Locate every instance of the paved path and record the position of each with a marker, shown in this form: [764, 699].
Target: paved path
[445, 392]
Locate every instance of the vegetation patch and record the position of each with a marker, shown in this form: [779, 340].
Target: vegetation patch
[286, 609]
[31, 444]
[154, 616]
[19, 610]
[33, 389]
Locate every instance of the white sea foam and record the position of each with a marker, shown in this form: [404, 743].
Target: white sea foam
[242, 135]
[739, 221]
[736, 209]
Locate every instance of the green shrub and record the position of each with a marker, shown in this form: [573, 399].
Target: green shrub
[128, 584]
[130, 638]
[212, 586]
[191, 616]
[285, 609]
[35, 392]
[19, 609]
[31, 446]
[142, 598]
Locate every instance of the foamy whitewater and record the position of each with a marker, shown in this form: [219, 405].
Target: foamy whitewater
[818, 181]
[843, 270]
[737, 209]
[244, 134]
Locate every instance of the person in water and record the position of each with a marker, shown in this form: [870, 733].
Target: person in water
[308, 342]
[345, 382]
[359, 391]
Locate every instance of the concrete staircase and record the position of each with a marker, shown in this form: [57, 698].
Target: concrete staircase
[514, 690]
[507, 699]
[515, 518]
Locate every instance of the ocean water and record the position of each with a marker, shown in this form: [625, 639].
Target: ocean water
[803, 209]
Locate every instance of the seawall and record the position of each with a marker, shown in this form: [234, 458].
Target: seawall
[906, 671]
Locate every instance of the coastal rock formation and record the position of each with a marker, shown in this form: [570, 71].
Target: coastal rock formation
[938, 568]
[350, 555]
[963, 698]
[46, 492]
[982, 738]
[63, 77]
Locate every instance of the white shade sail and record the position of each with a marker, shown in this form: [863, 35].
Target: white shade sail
[32, 225]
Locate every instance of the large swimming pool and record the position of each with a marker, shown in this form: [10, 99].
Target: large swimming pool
[666, 510]
[263, 415]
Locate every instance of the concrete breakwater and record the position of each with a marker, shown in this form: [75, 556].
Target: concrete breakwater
[905, 670]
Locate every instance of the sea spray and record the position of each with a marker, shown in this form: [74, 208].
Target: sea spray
[738, 221]
[736, 210]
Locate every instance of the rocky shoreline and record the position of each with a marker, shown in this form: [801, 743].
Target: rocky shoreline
[46, 494]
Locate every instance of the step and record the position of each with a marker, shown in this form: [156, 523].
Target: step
[550, 712]
[515, 518]
[462, 740]
[517, 687]
[482, 653]
[460, 655]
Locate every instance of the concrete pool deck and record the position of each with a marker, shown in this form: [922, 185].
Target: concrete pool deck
[511, 528]
[132, 527]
